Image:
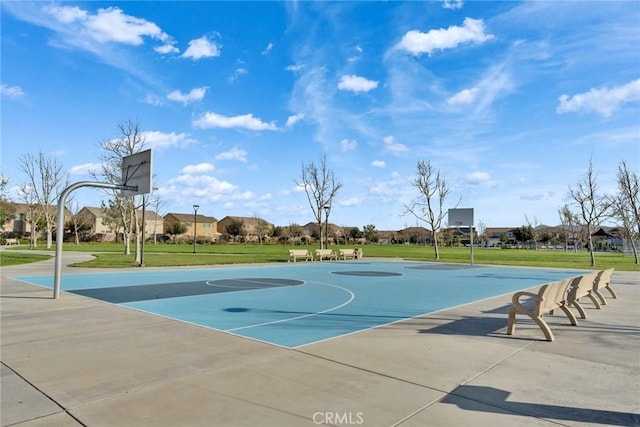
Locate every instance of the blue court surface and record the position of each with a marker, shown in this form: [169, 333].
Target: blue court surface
[298, 304]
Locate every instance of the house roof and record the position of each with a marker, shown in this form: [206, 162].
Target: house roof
[248, 220]
[497, 231]
[25, 208]
[184, 217]
[98, 213]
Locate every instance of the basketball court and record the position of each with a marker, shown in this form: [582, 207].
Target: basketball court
[294, 305]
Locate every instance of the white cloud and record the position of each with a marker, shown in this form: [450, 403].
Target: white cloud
[348, 145]
[161, 140]
[84, 168]
[194, 183]
[452, 4]
[603, 101]
[203, 47]
[357, 55]
[294, 68]
[200, 168]
[83, 29]
[166, 49]
[110, 25]
[464, 97]
[13, 92]
[391, 145]
[352, 201]
[247, 121]
[356, 84]
[195, 94]
[378, 164]
[237, 73]
[267, 49]
[151, 99]
[66, 14]
[417, 42]
[477, 177]
[292, 120]
[233, 154]
[494, 84]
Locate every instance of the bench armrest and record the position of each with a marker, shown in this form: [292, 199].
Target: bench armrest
[516, 297]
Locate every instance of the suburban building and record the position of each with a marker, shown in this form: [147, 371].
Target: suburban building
[497, 235]
[253, 228]
[92, 220]
[201, 226]
[27, 216]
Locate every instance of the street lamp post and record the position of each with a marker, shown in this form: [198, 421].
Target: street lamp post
[326, 208]
[195, 226]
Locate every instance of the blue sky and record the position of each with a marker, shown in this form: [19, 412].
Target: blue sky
[509, 100]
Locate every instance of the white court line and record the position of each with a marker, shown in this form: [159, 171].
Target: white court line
[261, 285]
[304, 315]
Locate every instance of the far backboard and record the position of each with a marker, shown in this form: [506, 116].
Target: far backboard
[461, 217]
[137, 172]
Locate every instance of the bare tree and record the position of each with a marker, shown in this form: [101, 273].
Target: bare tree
[321, 186]
[626, 205]
[33, 217]
[535, 230]
[429, 206]
[570, 223]
[74, 208]
[130, 141]
[482, 232]
[157, 204]
[593, 206]
[45, 183]
[7, 209]
[261, 227]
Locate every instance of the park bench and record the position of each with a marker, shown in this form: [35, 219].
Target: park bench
[582, 286]
[325, 254]
[295, 254]
[11, 241]
[549, 297]
[350, 253]
[603, 281]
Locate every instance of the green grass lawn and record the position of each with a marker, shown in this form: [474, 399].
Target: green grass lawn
[15, 258]
[166, 255]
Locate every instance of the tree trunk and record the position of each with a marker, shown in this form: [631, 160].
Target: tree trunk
[127, 243]
[592, 252]
[435, 245]
[49, 236]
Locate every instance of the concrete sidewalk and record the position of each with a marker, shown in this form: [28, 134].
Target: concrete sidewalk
[76, 361]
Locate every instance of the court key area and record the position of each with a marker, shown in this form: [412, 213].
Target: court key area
[296, 305]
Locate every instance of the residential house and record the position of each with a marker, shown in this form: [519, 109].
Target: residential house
[27, 216]
[92, 221]
[253, 230]
[336, 232]
[201, 226]
[495, 236]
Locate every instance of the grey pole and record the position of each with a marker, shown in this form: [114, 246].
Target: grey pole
[60, 224]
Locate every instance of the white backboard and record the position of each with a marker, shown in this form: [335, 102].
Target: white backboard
[137, 172]
[462, 217]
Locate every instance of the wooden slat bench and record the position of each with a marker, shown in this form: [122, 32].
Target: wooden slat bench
[549, 297]
[295, 254]
[325, 254]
